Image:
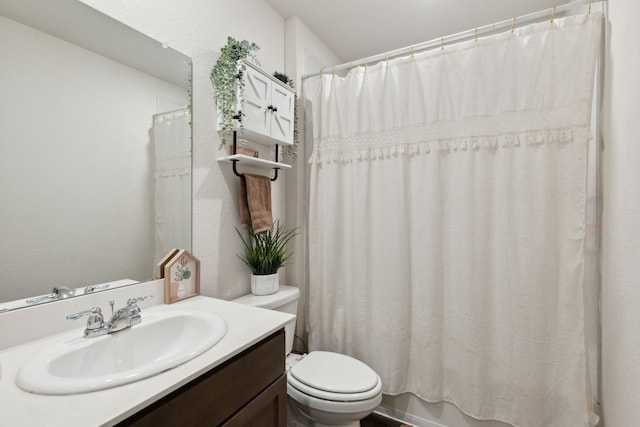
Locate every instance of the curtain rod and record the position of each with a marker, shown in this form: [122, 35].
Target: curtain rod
[509, 23]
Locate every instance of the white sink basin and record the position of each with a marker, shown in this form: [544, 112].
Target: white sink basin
[162, 341]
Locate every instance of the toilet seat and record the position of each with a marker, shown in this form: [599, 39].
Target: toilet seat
[334, 377]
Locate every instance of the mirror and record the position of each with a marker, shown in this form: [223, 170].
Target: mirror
[95, 152]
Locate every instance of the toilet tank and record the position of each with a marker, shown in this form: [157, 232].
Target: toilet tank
[285, 300]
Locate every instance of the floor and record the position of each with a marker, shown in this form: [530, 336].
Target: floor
[375, 420]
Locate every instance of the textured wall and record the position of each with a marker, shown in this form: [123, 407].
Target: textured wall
[621, 211]
[199, 29]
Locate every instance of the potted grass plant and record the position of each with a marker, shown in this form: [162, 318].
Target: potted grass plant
[264, 254]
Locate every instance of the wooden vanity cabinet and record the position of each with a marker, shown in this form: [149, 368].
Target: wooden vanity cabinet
[247, 390]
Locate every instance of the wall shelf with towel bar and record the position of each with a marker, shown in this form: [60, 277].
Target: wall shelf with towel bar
[253, 161]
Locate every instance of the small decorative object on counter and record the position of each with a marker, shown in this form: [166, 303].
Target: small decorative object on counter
[159, 273]
[181, 277]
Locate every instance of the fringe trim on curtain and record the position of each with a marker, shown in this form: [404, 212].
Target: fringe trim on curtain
[329, 148]
[170, 167]
[173, 172]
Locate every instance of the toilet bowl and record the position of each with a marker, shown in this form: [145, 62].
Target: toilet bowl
[324, 388]
[332, 389]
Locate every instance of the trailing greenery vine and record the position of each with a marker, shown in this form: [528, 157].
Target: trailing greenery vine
[226, 76]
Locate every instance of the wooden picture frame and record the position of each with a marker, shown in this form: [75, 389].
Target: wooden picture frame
[181, 277]
[159, 273]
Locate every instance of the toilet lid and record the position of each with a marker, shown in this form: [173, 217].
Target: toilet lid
[334, 373]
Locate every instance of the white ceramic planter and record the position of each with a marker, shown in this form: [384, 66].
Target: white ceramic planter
[265, 284]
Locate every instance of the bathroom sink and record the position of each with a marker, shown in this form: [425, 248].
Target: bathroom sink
[162, 341]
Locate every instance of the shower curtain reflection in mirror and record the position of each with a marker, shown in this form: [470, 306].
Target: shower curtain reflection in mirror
[172, 143]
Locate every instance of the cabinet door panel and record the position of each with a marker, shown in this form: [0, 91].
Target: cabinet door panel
[282, 124]
[268, 409]
[257, 97]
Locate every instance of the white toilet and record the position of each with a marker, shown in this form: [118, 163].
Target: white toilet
[327, 389]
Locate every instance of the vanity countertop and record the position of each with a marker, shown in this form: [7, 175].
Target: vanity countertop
[246, 326]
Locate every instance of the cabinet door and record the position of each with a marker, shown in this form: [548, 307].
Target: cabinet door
[282, 101]
[268, 409]
[257, 99]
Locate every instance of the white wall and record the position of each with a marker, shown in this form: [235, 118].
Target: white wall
[96, 213]
[199, 29]
[621, 214]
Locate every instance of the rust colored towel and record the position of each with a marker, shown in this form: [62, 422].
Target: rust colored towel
[255, 202]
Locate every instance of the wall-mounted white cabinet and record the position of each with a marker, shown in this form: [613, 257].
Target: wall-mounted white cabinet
[268, 107]
[268, 114]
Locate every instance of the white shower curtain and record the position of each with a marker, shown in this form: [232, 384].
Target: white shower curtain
[172, 143]
[447, 222]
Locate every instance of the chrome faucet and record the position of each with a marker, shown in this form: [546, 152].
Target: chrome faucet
[58, 292]
[92, 288]
[121, 319]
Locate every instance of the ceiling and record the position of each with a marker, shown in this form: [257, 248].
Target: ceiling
[355, 29]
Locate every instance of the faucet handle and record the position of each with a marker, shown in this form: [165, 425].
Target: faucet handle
[62, 292]
[95, 321]
[134, 301]
[132, 305]
[76, 316]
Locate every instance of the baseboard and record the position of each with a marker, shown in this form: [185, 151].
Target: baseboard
[403, 417]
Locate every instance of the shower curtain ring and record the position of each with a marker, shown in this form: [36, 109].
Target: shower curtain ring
[553, 14]
[513, 25]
